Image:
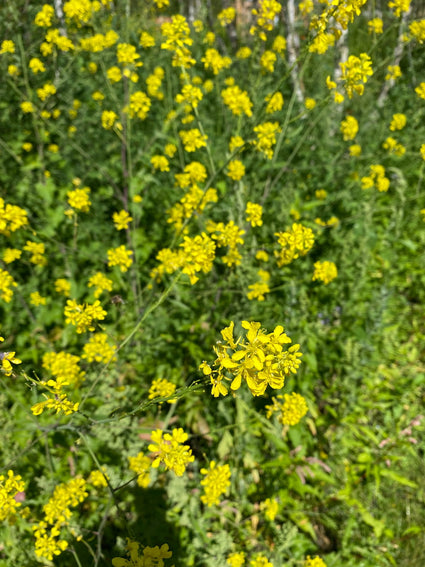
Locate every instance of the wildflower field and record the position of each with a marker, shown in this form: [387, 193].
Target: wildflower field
[212, 287]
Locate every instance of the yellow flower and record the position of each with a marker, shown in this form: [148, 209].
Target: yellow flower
[36, 299]
[254, 213]
[376, 25]
[349, 128]
[120, 257]
[141, 465]
[355, 150]
[12, 70]
[325, 272]
[309, 103]
[236, 170]
[63, 286]
[162, 388]
[398, 122]
[79, 199]
[109, 118]
[193, 139]
[7, 358]
[274, 103]
[394, 72]
[171, 451]
[10, 255]
[226, 16]
[314, 562]
[160, 162]
[7, 46]
[146, 40]
[215, 483]
[121, 220]
[27, 107]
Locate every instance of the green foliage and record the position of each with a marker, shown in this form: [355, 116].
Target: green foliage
[347, 479]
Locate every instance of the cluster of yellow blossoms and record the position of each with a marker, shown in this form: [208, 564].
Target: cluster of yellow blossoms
[12, 218]
[215, 483]
[290, 411]
[150, 557]
[296, 242]
[170, 450]
[376, 179]
[57, 513]
[10, 486]
[66, 372]
[325, 272]
[82, 316]
[260, 360]
[7, 358]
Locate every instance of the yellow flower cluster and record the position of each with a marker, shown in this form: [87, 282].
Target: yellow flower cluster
[215, 483]
[162, 388]
[12, 218]
[101, 284]
[152, 556]
[214, 61]
[6, 284]
[376, 179]
[394, 147]
[97, 348]
[57, 514]
[274, 103]
[325, 272]
[190, 94]
[11, 254]
[294, 243]
[194, 200]
[314, 562]
[171, 450]
[259, 289]
[121, 220]
[139, 105]
[349, 128]
[237, 100]
[140, 464]
[79, 199]
[341, 12]
[193, 139]
[236, 170]
[10, 486]
[236, 559]
[177, 34]
[267, 61]
[65, 370]
[271, 508]
[266, 137]
[44, 17]
[260, 360]
[160, 162]
[290, 411]
[82, 316]
[417, 29]
[266, 14]
[37, 251]
[64, 367]
[355, 73]
[398, 122]
[254, 213]
[99, 42]
[227, 235]
[226, 16]
[120, 257]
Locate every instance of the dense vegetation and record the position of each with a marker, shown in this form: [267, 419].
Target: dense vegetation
[211, 283]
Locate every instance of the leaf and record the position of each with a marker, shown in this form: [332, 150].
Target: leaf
[398, 478]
